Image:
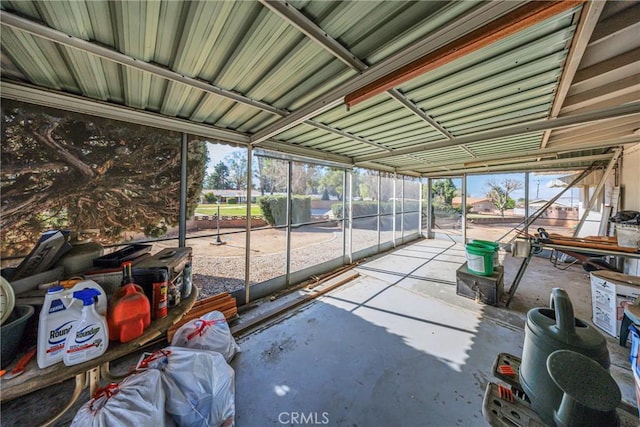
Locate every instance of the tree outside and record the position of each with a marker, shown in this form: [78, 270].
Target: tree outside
[68, 170]
[219, 178]
[499, 191]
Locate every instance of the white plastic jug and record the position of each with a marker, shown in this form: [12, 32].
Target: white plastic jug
[88, 337]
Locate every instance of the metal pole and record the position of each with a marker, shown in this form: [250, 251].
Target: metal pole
[526, 201]
[395, 184]
[379, 198]
[430, 233]
[344, 215]
[218, 241]
[463, 201]
[182, 221]
[598, 190]
[350, 198]
[420, 207]
[402, 211]
[529, 220]
[289, 207]
[247, 243]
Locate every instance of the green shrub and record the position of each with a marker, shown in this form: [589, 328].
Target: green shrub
[210, 198]
[361, 208]
[232, 201]
[274, 209]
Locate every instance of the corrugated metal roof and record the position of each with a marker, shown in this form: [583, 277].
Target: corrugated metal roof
[253, 67]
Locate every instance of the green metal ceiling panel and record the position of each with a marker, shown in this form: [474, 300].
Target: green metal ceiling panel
[504, 115]
[484, 78]
[467, 107]
[25, 8]
[136, 27]
[101, 23]
[202, 28]
[157, 89]
[525, 46]
[210, 108]
[246, 48]
[236, 26]
[390, 138]
[94, 80]
[484, 125]
[70, 17]
[238, 115]
[43, 66]
[179, 97]
[257, 121]
[303, 131]
[312, 86]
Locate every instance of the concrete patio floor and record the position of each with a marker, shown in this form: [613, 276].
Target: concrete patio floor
[396, 346]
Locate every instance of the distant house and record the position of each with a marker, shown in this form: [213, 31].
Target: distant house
[555, 211]
[224, 195]
[478, 204]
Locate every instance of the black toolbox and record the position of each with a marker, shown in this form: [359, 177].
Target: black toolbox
[177, 263]
[485, 289]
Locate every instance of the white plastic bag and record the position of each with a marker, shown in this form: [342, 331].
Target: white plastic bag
[199, 386]
[210, 332]
[139, 400]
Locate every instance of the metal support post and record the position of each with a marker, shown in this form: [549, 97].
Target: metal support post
[247, 244]
[526, 201]
[182, 221]
[463, 202]
[598, 190]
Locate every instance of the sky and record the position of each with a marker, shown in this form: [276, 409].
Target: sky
[476, 184]
[538, 186]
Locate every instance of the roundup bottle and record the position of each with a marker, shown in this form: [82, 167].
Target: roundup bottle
[88, 337]
[56, 319]
[129, 312]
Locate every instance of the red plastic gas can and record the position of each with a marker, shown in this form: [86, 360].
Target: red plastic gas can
[129, 313]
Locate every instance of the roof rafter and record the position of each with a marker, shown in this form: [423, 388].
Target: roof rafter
[587, 23]
[112, 55]
[516, 20]
[542, 152]
[519, 129]
[296, 18]
[482, 13]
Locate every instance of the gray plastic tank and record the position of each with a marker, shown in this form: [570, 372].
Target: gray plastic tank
[548, 330]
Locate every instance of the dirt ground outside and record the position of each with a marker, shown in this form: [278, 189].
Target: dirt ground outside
[219, 268]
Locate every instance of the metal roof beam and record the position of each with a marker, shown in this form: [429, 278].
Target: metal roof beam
[517, 20]
[296, 18]
[588, 20]
[395, 94]
[64, 101]
[40, 30]
[523, 167]
[554, 150]
[468, 151]
[345, 134]
[309, 28]
[56, 36]
[484, 12]
[519, 129]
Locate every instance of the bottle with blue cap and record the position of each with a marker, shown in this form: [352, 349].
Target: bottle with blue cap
[59, 311]
[88, 337]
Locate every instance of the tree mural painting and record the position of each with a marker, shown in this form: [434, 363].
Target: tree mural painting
[499, 192]
[66, 170]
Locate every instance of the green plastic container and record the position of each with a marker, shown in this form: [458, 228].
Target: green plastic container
[480, 259]
[495, 246]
